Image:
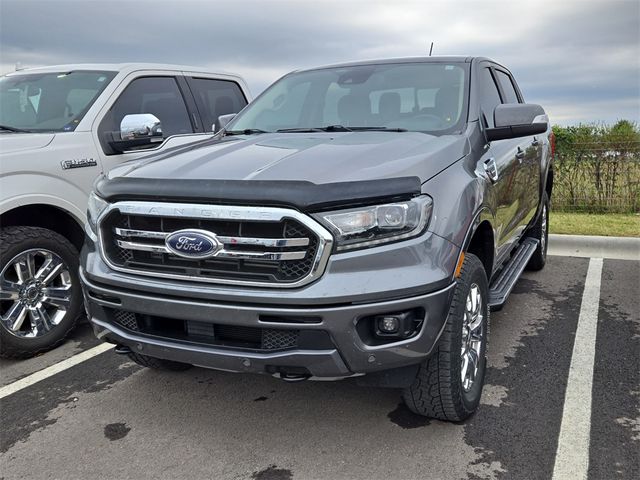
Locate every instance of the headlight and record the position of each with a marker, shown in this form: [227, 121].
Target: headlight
[368, 226]
[95, 208]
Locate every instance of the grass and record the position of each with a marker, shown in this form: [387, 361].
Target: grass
[608, 224]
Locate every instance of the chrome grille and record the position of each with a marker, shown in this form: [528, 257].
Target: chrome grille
[260, 246]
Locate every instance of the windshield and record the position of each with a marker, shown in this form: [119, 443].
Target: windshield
[424, 97]
[49, 102]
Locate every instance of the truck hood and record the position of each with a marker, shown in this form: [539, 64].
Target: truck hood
[313, 157]
[17, 142]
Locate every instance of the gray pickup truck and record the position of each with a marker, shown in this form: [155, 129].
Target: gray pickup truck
[356, 220]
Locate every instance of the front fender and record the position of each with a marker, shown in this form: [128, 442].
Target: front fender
[42, 189]
[458, 201]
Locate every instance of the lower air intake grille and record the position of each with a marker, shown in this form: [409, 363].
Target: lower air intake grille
[236, 336]
[126, 319]
[279, 339]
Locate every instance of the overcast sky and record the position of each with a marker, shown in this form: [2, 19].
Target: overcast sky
[580, 59]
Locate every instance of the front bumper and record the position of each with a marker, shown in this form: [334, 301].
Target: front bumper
[348, 355]
[414, 274]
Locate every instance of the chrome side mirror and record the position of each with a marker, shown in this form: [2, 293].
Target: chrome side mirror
[141, 126]
[224, 120]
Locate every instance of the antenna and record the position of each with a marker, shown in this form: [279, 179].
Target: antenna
[431, 49]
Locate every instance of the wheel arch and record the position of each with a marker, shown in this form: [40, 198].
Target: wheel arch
[548, 186]
[46, 216]
[480, 240]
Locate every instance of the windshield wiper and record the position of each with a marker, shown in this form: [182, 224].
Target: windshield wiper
[300, 130]
[378, 129]
[330, 128]
[14, 129]
[246, 131]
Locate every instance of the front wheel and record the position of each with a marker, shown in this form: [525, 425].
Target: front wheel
[40, 297]
[449, 383]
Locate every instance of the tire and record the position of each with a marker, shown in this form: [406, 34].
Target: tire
[438, 390]
[158, 363]
[540, 231]
[50, 286]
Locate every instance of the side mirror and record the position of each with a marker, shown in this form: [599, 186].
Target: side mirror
[136, 130]
[514, 120]
[224, 120]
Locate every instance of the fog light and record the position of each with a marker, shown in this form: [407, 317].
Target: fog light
[396, 324]
[388, 324]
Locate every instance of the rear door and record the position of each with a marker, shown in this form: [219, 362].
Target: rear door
[528, 158]
[215, 97]
[499, 164]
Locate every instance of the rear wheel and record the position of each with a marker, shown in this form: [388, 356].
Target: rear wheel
[40, 297]
[158, 363]
[449, 383]
[540, 232]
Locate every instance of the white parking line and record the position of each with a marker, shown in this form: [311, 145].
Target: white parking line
[572, 456]
[53, 369]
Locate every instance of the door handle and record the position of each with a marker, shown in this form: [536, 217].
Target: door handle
[520, 155]
[491, 169]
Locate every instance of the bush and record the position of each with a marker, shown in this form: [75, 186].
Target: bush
[597, 168]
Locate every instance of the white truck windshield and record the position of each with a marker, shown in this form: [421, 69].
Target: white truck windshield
[49, 102]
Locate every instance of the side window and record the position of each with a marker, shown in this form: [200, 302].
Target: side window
[489, 95]
[507, 87]
[157, 95]
[215, 98]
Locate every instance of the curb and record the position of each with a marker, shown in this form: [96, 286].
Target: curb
[622, 248]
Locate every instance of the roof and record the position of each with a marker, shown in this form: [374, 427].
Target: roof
[121, 67]
[432, 59]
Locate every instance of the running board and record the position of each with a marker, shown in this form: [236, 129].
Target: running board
[503, 284]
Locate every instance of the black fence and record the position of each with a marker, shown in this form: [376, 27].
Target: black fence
[597, 181]
[597, 168]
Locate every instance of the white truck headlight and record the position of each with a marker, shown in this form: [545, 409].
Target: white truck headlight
[96, 206]
[368, 226]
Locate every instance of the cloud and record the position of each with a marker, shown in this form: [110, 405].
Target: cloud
[580, 59]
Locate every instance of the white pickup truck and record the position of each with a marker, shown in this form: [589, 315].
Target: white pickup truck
[60, 127]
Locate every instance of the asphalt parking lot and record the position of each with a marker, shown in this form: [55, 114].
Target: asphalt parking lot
[108, 418]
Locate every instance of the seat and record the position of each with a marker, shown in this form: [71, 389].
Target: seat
[354, 110]
[14, 113]
[446, 104]
[389, 107]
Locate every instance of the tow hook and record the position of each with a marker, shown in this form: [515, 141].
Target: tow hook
[294, 378]
[122, 350]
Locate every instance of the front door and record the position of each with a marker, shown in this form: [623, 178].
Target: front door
[155, 94]
[527, 163]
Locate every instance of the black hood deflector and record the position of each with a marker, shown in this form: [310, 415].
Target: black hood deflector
[302, 195]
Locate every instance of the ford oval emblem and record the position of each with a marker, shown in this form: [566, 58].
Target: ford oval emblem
[193, 243]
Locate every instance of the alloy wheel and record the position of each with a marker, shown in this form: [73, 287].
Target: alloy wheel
[472, 337]
[35, 293]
